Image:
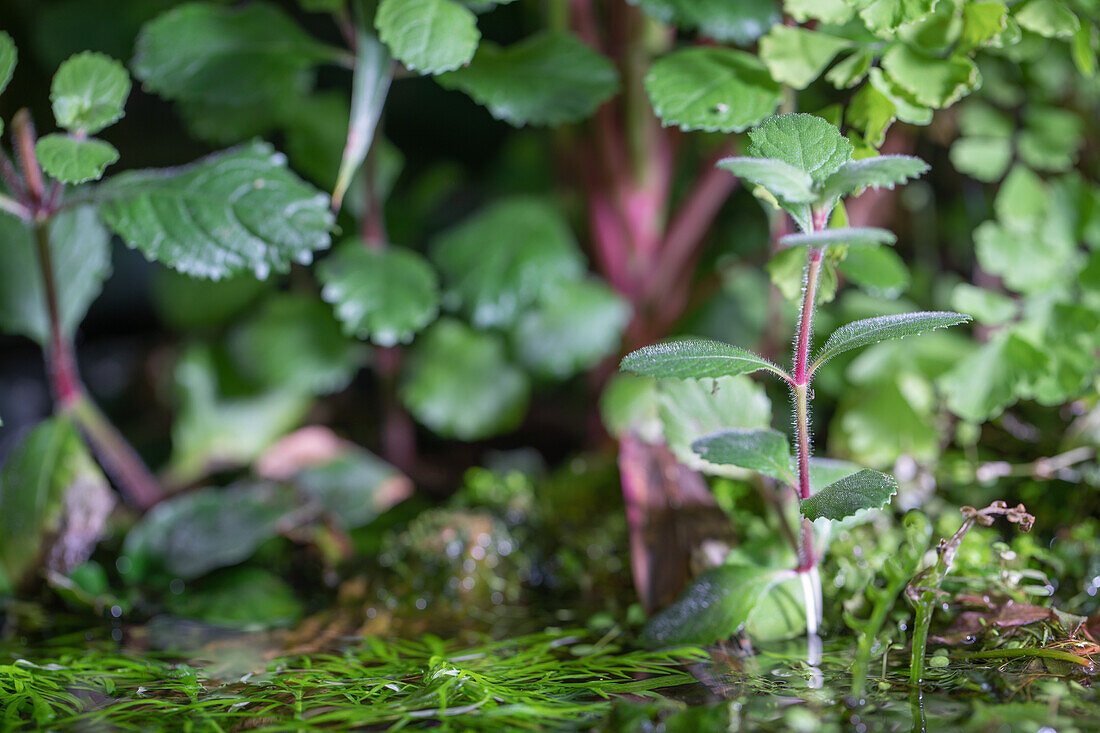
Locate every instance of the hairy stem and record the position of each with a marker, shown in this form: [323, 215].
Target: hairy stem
[801, 388]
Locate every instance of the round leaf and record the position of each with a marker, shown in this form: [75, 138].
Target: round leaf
[88, 92]
[429, 36]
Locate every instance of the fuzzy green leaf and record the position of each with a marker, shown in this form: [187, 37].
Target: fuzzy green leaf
[797, 56]
[8, 57]
[782, 180]
[235, 211]
[72, 160]
[849, 236]
[740, 23]
[694, 359]
[934, 82]
[804, 141]
[573, 327]
[206, 52]
[765, 451]
[546, 79]
[714, 607]
[428, 36]
[504, 258]
[866, 489]
[88, 92]
[460, 384]
[872, 330]
[712, 89]
[81, 254]
[385, 295]
[884, 171]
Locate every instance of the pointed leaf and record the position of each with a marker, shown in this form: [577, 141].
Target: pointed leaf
[871, 330]
[712, 89]
[866, 489]
[230, 212]
[546, 79]
[782, 180]
[369, 87]
[825, 471]
[765, 451]
[72, 160]
[695, 359]
[805, 141]
[849, 236]
[714, 607]
[428, 36]
[385, 295]
[88, 92]
[883, 171]
[8, 56]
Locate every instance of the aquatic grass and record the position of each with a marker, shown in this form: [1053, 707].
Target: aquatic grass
[555, 678]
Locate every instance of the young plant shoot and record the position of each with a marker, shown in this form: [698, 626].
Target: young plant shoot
[803, 165]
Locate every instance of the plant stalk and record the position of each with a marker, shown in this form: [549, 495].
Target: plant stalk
[801, 389]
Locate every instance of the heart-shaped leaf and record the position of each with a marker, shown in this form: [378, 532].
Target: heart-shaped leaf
[871, 330]
[765, 451]
[695, 359]
[865, 489]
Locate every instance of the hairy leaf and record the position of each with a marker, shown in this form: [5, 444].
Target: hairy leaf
[235, 211]
[460, 384]
[72, 160]
[429, 36]
[504, 258]
[850, 236]
[88, 92]
[797, 56]
[714, 607]
[884, 171]
[546, 79]
[804, 141]
[782, 180]
[871, 330]
[765, 451]
[866, 489]
[695, 359]
[713, 89]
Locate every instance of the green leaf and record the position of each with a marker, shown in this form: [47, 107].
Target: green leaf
[988, 307]
[505, 258]
[825, 471]
[88, 92]
[712, 89]
[1023, 200]
[787, 269]
[385, 295]
[804, 141]
[883, 17]
[848, 236]
[247, 598]
[369, 88]
[188, 303]
[1052, 138]
[460, 384]
[354, 488]
[906, 106]
[213, 431]
[202, 51]
[428, 36]
[72, 160]
[740, 23]
[862, 333]
[834, 12]
[1027, 261]
[982, 22]
[883, 171]
[765, 451]
[695, 359]
[628, 406]
[714, 607]
[9, 55]
[547, 79]
[689, 409]
[849, 72]
[39, 473]
[984, 158]
[191, 534]
[882, 421]
[877, 270]
[1048, 18]
[933, 82]
[230, 212]
[781, 179]
[573, 328]
[294, 343]
[866, 489]
[872, 112]
[81, 255]
[797, 56]
[983, 384]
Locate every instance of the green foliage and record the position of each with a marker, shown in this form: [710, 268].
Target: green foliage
[9, 55]
[865, 489]
[849, 236]
[428, 36]
[246, 598]
[694, 359]
[740, 23]
[797, 56]
[858, 334]
[72, 160]
[88, 93]
[230, 212]
[370, 85]
[765, 451]
[547, 79]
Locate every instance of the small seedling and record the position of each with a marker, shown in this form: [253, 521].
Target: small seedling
[805, 166]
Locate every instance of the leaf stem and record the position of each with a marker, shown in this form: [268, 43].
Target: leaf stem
[801, 388]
